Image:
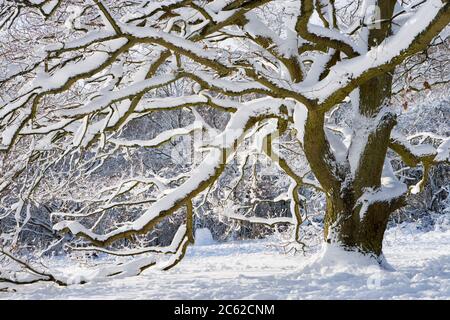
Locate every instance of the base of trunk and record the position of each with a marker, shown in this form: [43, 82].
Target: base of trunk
[346, 225]
[336, 254]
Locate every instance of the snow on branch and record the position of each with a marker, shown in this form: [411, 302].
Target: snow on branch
[391, 191]
[159, 139]
[257, 220]
[425, 154]
[200, 178]
[412, 37]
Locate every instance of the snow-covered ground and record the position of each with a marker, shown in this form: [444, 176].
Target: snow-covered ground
[258, 270]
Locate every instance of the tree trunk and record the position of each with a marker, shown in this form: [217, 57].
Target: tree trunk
[348, 222]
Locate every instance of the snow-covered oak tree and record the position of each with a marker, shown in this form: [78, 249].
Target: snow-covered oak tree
[88, 70]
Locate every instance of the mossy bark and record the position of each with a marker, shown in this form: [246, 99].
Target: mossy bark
[345, 227]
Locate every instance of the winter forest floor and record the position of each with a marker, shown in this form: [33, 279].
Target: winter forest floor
[257, 270]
